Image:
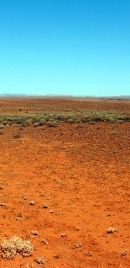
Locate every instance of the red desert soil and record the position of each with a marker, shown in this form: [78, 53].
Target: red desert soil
[78, 177]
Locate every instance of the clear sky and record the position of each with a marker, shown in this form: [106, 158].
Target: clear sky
[65, 47]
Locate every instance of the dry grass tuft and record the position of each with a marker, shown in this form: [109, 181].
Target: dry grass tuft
[10, 248]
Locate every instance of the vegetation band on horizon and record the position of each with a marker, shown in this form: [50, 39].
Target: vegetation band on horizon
[53, 118]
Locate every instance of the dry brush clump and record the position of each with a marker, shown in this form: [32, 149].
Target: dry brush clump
[10, 248]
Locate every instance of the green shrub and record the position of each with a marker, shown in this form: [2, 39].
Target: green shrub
[36, 124]
[51, 123]
[1, 126]
[27, 122]
[42, 122]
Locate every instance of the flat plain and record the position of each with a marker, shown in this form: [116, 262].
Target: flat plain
[65, 187]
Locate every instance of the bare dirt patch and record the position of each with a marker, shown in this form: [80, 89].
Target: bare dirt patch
[66, 189]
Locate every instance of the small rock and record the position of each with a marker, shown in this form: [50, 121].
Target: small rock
[44, 241]
[35, 232]
[2, 204]
[111, 230]
[40, 260]
[63, 235]
[56, 256]
[42, 194]
[18, 218]
[89, 254]
[108, 215]
[78, 245]
[45, 206]
[32, 203]
[125, 252]
[51, 211]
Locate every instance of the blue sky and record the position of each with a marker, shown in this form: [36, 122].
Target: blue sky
[65, 47]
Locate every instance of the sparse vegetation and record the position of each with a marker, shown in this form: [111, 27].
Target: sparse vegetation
[51, 119]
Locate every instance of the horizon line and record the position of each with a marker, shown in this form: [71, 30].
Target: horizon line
[63, 96]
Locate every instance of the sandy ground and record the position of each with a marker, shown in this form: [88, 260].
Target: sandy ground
[66, 188]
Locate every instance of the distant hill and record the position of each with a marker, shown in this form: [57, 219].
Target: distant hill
[64, 96]
[13, 95]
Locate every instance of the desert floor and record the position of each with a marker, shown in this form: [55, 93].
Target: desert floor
[66, 188]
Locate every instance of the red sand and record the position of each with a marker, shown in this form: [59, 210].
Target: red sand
[82, 172]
